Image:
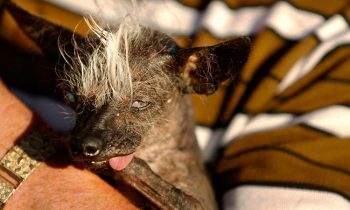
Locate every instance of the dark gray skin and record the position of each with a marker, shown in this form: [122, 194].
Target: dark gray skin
[167, 169]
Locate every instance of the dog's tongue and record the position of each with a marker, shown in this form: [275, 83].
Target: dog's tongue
[119, 163]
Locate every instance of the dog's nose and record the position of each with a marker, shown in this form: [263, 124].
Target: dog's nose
[91, 146]
[86, 147]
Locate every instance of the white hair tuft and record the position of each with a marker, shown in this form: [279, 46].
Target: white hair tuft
[102, 71]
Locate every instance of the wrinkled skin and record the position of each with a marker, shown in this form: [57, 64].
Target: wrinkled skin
[157, 127]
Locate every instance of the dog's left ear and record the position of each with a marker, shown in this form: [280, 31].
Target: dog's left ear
[202, 69]
[45, 34]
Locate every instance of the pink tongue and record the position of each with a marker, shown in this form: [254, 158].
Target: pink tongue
[119, 163]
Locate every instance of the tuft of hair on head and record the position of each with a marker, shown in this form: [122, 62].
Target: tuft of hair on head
[99, 69]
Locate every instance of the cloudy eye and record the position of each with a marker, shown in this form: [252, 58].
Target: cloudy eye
[70, 97]
[139, 106]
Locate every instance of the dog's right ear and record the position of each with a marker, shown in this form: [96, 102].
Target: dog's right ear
[202, 69]
[46, 35]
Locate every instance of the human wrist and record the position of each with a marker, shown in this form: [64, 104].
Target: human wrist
[15, 119]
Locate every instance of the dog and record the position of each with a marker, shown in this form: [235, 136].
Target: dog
[129, 86]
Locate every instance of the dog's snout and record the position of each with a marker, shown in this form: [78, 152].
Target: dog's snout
[85, 148]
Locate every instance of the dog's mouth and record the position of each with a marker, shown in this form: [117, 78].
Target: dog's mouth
[117, 163]
[115, 155]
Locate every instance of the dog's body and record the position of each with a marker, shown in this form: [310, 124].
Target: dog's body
[128, 88]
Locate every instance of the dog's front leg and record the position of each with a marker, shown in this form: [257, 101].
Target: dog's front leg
[161, 193]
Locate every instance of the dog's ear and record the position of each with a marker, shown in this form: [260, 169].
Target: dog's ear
[46, 35]
[202, 69]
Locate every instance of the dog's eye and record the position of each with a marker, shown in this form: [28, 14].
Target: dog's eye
[70, 98]
[137, 106]
[73, 101]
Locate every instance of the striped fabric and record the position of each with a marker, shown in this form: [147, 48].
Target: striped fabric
[287, 143]
[281, 131]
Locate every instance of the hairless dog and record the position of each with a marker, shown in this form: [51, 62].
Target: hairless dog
[129, 86]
